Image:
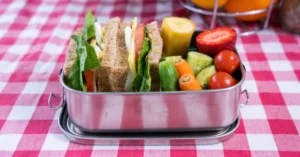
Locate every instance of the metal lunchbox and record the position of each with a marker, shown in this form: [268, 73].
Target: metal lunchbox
[154, 111]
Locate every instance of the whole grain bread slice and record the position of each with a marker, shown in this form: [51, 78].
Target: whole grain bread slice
[154, 54]
[109, 56]
[120, 70]
[114, 67]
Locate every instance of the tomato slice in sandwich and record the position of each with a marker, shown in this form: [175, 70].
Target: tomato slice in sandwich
[139, 39]
[89, 78]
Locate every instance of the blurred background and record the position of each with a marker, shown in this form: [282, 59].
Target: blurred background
[248, 16]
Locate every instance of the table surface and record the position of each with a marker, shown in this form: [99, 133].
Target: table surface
[33, 42]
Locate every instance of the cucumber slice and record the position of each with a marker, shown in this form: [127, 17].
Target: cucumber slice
[198, 61]
[170, 58]
[204, 76]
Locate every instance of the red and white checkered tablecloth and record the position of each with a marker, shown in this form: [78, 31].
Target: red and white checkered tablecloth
[33, 41]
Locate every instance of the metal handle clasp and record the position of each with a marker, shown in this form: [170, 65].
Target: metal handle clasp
[247, 96]
[56, 97]
[61, 96]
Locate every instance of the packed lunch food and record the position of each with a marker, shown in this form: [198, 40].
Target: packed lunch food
[143, 57]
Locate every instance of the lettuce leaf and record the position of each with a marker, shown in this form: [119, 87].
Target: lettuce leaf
[86, 55]
[91, 61]
[143, 67]
[74, 79]
[146, 82]
[80, 50]
[88, 28]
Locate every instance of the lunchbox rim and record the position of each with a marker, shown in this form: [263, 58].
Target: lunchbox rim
[243, 73]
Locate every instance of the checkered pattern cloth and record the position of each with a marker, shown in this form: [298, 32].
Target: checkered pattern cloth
[33, 41]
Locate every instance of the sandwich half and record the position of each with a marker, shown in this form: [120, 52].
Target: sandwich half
[114, 66]
[84, 55]
[145, 50]
[131, 57]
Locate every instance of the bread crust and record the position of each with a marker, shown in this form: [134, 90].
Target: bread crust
[120, 70]
[154, 54]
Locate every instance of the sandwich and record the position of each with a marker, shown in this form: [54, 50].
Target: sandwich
[114, 65]
[83, 56]
[145, 50]
[118, 57]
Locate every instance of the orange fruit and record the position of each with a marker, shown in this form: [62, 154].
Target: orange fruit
[233, 6]
[208, 4]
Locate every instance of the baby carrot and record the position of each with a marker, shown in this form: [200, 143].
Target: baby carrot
[189, 82]
[183, 67]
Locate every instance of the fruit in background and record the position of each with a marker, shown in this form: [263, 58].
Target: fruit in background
[208, 4]
[212, 41]
[233, 6]
[204, 76]
[168, 76]
[198, 61]
[189, 82]
[226, 61]
[221, 80]
[176, 33]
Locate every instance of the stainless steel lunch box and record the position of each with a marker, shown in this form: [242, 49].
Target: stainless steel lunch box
[153, 111]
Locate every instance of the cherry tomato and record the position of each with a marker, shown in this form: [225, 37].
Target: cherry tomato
[226, 61]
[138, 40]
[221, 80]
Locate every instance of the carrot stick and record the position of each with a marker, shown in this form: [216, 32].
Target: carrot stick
[183, 67]
[189, 82]
[89, 80]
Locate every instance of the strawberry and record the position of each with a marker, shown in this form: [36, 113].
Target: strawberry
[213, 41]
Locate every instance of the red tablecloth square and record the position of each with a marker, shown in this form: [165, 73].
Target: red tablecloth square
[237, 153]
[279, 126]
[272, 99]
[26, 153]
[38, 127]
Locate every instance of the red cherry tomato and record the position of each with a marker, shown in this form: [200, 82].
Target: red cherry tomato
[221, 80]
[226, 61]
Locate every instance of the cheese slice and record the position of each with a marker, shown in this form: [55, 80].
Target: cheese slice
[97, 49]
[98, 43]
[131, 56]
[128, 34]
[98, 32]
